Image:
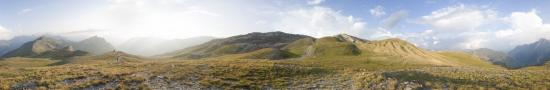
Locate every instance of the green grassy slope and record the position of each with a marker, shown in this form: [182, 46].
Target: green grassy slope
[465, 59]
[341, 73]
[393, 52]
[266, 53]
[300, 47]
[25, 62]
[332, 47]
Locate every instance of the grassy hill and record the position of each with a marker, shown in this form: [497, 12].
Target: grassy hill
[94, 45]
[393, 52]
[47, 47]
[380, 52]
[331, 46]
[237, 45]
[26, 62]
[465, 59]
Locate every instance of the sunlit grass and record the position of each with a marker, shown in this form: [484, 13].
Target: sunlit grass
[226, 72]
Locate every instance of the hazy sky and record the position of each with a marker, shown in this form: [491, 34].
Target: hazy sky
[433, 24]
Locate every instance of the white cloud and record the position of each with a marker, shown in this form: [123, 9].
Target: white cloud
[315, 2]
[5, 34]
[381, 33]
[26, 10]
[377, 11]
[456, 27]
[525, 20]
[458, 18]
[395, 18]
[473, 40]
[463, 27]
[124, 19]
[319, 21]
[527, 27]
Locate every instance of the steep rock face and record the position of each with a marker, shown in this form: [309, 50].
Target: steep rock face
[536, 53]
[239, 44]
[94, 45]
[45, 47]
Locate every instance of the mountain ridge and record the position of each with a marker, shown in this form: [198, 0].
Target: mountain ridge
[59, 48]
[95, 45]
[306, 47]
[45, 47]
[536, 53]
[238, 44]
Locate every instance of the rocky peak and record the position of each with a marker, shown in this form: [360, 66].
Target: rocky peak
[46, 47]
[529, 54]
[541, 42]
[349, 38]
[44, 43]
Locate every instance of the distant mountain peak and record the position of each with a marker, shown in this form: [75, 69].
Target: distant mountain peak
[44, 38]
[41, 37]
[45, 47]
[542, 41]
[535, 53]
[493, 56]
[95, 39]
[95, 45]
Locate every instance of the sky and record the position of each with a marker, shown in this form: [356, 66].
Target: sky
[431, 24]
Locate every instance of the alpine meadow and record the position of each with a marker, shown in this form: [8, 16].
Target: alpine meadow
[274, 45]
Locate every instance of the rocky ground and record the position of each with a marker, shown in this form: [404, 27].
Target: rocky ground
[263, 74]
